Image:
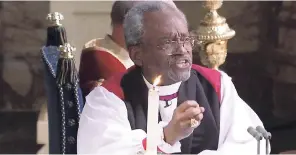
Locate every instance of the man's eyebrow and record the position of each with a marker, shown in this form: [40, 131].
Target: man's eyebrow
[168, 35]
[174, 35]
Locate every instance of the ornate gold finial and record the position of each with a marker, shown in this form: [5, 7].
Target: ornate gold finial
[55, 18]
[212, 35]
[67, 51]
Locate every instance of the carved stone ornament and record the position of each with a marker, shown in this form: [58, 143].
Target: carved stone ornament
[212, 36]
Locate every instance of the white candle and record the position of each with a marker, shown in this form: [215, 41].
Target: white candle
[153, 136]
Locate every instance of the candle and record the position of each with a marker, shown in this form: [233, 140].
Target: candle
[153, 136]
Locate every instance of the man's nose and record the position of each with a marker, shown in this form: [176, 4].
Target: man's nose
[182, 48]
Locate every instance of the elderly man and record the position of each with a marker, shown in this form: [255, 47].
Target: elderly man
[103, 57]
[200, 110]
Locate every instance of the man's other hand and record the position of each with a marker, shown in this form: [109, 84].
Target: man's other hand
[180, 126]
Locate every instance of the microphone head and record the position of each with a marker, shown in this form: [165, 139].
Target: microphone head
[265, 134]
[254, 133]
[250, 129]
[260, 128]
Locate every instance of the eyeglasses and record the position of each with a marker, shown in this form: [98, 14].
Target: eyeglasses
[167, 44]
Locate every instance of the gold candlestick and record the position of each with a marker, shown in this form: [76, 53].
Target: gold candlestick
[212, 36]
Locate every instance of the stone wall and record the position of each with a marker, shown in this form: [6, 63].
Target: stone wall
[23, 32]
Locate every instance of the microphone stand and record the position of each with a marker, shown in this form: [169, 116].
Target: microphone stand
[258, 136]
[267, 139]
[266, 135]
[267, 146]
[258, 147]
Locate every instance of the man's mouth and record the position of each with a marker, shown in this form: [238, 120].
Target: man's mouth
[183, 63]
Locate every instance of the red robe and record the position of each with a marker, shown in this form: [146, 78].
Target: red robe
[100, 59]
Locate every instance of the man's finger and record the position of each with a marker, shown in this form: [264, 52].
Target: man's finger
[202, 109]
[199, 117]
[187, 104]
[190, 113]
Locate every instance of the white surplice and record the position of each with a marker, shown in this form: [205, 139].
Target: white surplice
[104, 128]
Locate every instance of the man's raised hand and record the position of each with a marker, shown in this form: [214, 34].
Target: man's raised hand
[181, 125]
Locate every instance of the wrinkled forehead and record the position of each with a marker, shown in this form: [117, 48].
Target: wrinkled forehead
[170, 2]
[164, 23]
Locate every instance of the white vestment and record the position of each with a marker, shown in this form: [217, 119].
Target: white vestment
[104, 128]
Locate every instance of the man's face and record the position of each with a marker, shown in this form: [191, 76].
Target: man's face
[166, 47]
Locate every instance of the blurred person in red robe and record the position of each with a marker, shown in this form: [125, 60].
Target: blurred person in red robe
[102, 57]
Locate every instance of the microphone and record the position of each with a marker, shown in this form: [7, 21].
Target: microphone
[265, 134]
[258, 136]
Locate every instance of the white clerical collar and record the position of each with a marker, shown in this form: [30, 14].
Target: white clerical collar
[165, 90]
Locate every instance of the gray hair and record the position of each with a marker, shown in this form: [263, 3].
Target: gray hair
[133, 21]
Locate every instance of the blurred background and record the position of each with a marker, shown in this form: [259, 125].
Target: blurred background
[261, 61]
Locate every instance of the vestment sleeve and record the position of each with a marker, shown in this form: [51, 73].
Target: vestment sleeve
[104, 128]
[235, 118]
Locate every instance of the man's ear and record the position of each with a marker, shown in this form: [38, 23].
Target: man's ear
[136, 55]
